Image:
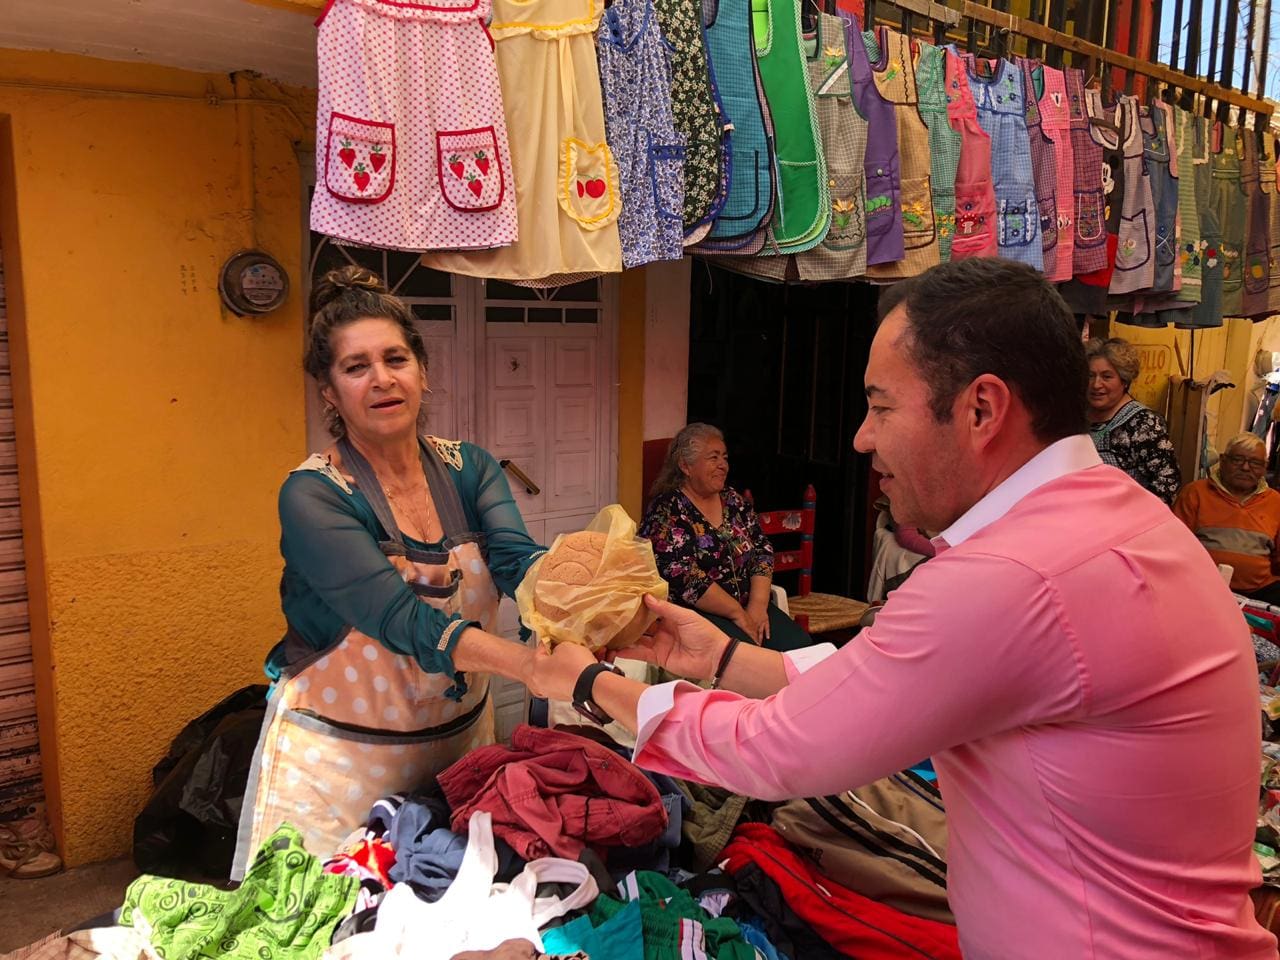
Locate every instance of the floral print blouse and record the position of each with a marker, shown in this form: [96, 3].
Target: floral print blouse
[692, 554]
[1137, 441]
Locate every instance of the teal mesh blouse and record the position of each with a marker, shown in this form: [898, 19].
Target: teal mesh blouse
[335, 574]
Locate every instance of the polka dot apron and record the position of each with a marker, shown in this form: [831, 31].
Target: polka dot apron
[347, 725]
[411, 140]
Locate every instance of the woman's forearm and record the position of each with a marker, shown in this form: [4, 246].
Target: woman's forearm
[760, 587]
[478, 651]
[719, 601]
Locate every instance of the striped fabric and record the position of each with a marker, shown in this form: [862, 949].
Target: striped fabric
[1089, 252]
[1044, 166]
[1257, 248]
[1055, 119]
[1229, 200]
[1208, 312]
[1190, 245]
[997, 91]
[843, 253]
[975, 227]
[944, 142]
[891, 66]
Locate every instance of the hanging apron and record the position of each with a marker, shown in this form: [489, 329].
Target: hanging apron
[1257, 245]
[1162, 168]
[1044, 167]
[749, 202]
[1190, 243]
[1055, 120]
[998, 95]
[1229, 200]
[1135, 250]
[411, 138]
[842, 255]
[802, 213]
[881, 165]
[975, 226]
[356, 722]
[1208, 312]
[1101, 435]
[693, 103]
[1089, 251]
[894, 74]
[944, 142]
[635, 80]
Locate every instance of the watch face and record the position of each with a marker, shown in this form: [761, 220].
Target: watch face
[592, 713]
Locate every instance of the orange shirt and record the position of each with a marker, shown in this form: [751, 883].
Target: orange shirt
[1242, 533]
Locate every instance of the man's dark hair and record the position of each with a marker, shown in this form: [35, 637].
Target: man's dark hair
[988, 315]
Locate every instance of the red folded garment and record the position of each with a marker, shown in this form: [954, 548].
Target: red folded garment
[851, 923]
[553, 793]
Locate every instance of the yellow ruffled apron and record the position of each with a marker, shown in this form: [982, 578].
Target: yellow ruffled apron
[356, 722]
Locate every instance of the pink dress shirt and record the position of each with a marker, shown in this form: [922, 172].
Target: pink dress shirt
[1085, 685]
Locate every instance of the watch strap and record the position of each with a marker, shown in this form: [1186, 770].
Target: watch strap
[582, 701]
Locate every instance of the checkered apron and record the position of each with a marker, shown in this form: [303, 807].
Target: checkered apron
[1257, 259]
[749, 202]
[885, 241]
[1269, 177]
[1135, 253]
[1055, 118]
[1162, 172]
[944, 142]
[1190, 244]
[693, 102]
[1044, 167]
[1208, 312]
[896, 81]
[997, 91]
[843, 253]
[1089, 250]
[975, 233]
[634, 80]
[1229, 199]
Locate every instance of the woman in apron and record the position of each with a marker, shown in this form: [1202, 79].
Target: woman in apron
[396, 547]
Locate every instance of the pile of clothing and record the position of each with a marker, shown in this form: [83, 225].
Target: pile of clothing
[542, 141]
[557, 845]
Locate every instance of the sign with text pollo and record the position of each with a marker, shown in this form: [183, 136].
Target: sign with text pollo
[1155, 365]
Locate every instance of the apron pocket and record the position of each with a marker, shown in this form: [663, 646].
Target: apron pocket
[324, 776]
[666, 172]
[1016, 222]
[918, 229]
[975, 215]
[882, 199]
[1134, 249]
[588, 183]
[1048, 209]
[848, 219]
[360, 164]
[745, 189]
[1257, 272]
[469, 169]
[1091, 230]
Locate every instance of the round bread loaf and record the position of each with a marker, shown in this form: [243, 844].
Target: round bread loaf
[575, 562]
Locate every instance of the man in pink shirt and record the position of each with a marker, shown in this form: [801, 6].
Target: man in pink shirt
[1070, 658]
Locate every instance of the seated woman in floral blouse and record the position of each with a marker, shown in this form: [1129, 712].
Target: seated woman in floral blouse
[709, 545]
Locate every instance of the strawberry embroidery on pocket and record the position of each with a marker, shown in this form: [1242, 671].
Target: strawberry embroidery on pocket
[469, 171]
[360, 160]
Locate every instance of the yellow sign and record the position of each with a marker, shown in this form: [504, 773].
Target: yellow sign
[1155, 364]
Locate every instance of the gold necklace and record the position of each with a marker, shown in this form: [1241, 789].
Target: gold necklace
[412, 507]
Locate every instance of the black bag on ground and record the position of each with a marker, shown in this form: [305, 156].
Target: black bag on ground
[188, 827]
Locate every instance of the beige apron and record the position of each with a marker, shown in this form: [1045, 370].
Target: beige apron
[356, 722]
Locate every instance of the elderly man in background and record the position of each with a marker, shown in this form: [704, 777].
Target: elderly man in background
[1237, 517]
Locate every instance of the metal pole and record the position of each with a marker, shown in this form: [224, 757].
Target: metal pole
[1246, 83]
[1176, 34]
[1263, 49]
[1214, 34]
[1229, 54]
[1058, 21]
[1132, 48]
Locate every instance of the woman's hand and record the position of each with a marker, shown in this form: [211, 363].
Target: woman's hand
[758, 621]
[681, 641]
[554, 673]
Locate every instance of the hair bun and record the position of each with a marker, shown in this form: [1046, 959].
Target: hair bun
[343, 281]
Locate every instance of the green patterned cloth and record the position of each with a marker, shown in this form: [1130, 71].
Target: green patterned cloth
[1191, 249]
[286, 909]
[694, 107]
[1229, 200]
[944, 142]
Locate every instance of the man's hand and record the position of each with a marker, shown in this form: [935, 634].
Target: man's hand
[554, 673]
[681, 641]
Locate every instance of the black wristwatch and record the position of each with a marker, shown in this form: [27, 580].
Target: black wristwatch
[582, 701]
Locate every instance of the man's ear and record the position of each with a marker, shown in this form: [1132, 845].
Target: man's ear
[988, 402]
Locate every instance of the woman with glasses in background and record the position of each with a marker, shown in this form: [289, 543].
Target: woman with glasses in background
[1237, 517]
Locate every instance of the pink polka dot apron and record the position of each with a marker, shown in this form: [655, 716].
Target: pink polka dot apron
[411, 141]
[347, 725]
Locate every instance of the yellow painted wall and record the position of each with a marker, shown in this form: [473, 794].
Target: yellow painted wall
[157, 426]
[631, 373]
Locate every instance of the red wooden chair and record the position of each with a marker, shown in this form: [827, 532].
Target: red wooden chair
[814, 612]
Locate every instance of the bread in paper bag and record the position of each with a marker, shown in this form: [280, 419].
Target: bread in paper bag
[589, 587]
